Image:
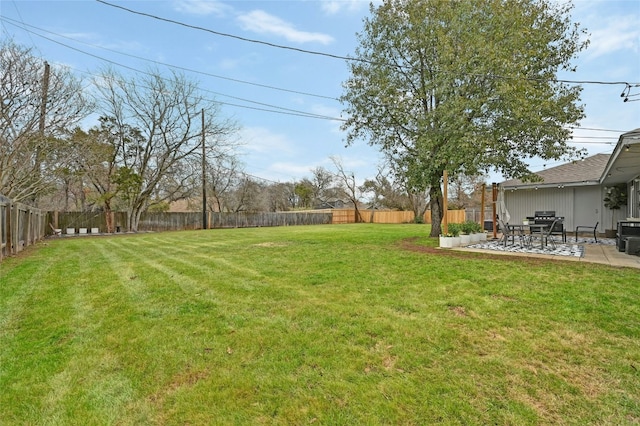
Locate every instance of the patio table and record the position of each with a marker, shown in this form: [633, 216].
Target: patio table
[540, 227]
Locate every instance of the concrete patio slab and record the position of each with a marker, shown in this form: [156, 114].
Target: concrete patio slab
[593, 253]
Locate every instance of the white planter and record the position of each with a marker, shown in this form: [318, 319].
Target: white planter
[71, 231]
[82, 230]
[446, 242]
[449, 242]
[465, 240]
[475, 238]
[482, 236]
[95, 231]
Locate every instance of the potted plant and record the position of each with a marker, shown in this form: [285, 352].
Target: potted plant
[452, 237]
[616, 197]
[476, 232]
[467, 229]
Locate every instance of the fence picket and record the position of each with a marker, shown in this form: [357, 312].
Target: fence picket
[20, 226]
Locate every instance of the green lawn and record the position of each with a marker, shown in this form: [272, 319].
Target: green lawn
[331, 325]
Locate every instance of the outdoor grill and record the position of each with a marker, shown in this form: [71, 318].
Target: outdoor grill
[547, 217]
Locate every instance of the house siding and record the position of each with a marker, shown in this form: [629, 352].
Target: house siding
[524, 203]
[588, 207]
[582, 205]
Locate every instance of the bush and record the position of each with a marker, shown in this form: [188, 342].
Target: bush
[467, 227]
[454, 229]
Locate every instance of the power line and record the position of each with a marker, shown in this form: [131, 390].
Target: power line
[266, 86]
[283, 110]
[279, 109]
[628, 85]
[195, 27]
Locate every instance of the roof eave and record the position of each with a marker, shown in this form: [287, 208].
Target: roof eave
[550, 185]
[625, 140]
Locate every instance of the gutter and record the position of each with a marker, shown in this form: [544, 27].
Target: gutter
[626, 139]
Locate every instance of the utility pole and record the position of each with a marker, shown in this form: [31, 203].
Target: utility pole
[45, 91]
[41, 124]
[204, 179]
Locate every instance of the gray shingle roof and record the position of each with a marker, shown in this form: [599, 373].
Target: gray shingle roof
[579, 172]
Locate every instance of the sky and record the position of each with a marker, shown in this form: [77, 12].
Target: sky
[277, 67]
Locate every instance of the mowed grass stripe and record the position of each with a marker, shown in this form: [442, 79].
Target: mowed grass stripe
[209, 264]
[140, 347]
[94, 381]
[331, 325]
[51, 332]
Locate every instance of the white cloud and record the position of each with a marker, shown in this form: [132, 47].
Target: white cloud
[98, 40]
[294, 170]
[201, 7]
[618, 34]
[261, 22]
[248, 60]
[260, 140]
[332, 7]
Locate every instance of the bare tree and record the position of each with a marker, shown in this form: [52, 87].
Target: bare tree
[465, 191]
[245, 195]
[385, 192]
[167, 112]
[38, 103]
[322, 183]
[224, 173]
[346, 181]
[276, 196]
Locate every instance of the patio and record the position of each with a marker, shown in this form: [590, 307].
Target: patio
[584, 250]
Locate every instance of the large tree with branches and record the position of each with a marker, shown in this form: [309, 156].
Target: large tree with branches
[465, 86]
[39, 103]
[158, 124]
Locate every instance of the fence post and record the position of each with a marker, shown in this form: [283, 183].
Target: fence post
[2, 227]
[15, 234]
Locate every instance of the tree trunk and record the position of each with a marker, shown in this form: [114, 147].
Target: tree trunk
[108, 217]
[134, 218]
[358, 215]
[436, 202]
[130, 216]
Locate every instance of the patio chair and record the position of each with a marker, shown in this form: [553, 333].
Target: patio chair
[547, 235]
[590, 228]
[510, 233]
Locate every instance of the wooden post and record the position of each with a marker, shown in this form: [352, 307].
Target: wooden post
[204, 177]
[484, 189]
[445, 204]
[2, 218]
[15, 237]
[494, 197]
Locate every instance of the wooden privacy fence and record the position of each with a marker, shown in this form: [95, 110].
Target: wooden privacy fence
[390, 216]
[245, 220]
[81, 222]
[20, 226]
[88, 222]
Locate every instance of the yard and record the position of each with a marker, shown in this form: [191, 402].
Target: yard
[327, 324]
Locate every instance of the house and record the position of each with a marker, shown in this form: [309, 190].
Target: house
[576, 190]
